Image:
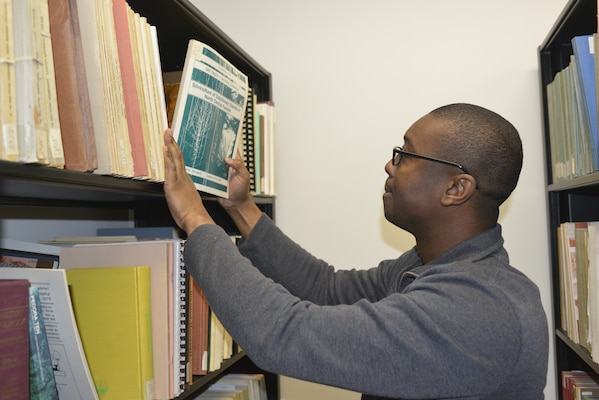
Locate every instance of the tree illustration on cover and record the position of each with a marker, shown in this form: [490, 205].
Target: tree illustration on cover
[208, 134]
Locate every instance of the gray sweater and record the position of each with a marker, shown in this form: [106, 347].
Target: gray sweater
[466, 325]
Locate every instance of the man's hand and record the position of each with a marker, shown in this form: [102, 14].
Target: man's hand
[183, 199]
[240, 206]
[239, 184]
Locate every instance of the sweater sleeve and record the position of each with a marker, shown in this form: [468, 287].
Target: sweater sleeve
[423, 343]
[308, 277]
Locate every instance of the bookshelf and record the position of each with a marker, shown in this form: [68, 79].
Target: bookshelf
[33, 187]
[571, 200]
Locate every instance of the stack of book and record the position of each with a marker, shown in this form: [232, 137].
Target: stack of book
[236, 387]
[125, 318]
[579, 385]
[41, 357]
[572, 109]
[82, 88]
[26, 363]
[579, 283]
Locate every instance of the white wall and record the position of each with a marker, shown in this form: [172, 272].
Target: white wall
[349, 78]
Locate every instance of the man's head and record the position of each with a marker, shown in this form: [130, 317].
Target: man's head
[489, 145]
[480, 157]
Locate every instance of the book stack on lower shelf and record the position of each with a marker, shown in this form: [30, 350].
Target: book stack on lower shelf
[236, 387]
[26, 365]
[125, 320]
[40, 357]
[579, 385]
[88, 136]
[579, 279]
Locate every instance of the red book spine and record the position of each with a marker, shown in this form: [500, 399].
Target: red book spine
[14, 339]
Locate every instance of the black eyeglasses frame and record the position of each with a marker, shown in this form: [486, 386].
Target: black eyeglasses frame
[399, 150]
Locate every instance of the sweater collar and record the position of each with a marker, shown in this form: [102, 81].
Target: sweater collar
[476, 248]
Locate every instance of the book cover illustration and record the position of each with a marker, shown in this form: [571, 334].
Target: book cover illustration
[42, 384]
[208, 116]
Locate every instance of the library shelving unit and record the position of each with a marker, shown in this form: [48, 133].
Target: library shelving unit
[573, 200]
[56, 191]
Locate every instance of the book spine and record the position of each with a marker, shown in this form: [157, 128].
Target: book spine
[9, 147]
[72, 96]
[181, 317]
[248, 139]
[145, 331]
[14, 339]
[129, 83]
[42, 384]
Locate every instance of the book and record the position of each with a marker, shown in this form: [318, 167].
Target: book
[42, 384]
[171, 91]
[113, 313]
[248, 148]
[9, 141]
[582, 268]
[163, 258]
[21, 254]
[178, 314]
[220, 343]
[584, 57]
[267, 129]
[72, 240]
[198, 329]
[593, 288]
[74, 105]
[49, 116]
[252, 385]
[141, 233]
[162, 122]
[32, 138]
[21, 261]
[14, 339]
[129, 87]
[171, 81]
[106, 98]
[208, 116]
[576, 383]
[22, 247]
[569, 281]
[69, 362]
[148, 71]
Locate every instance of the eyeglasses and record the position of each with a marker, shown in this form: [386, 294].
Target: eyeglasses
[399, 153]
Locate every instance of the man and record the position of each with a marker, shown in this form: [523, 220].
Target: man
[448, 319]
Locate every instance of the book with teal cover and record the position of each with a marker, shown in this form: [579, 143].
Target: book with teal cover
[208, 117]
[42, 384]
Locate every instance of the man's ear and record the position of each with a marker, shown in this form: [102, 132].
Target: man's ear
[459, 190]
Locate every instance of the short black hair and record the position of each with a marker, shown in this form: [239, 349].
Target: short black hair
[487, 144]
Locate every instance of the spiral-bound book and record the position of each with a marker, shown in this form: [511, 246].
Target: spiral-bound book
[168, 292]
